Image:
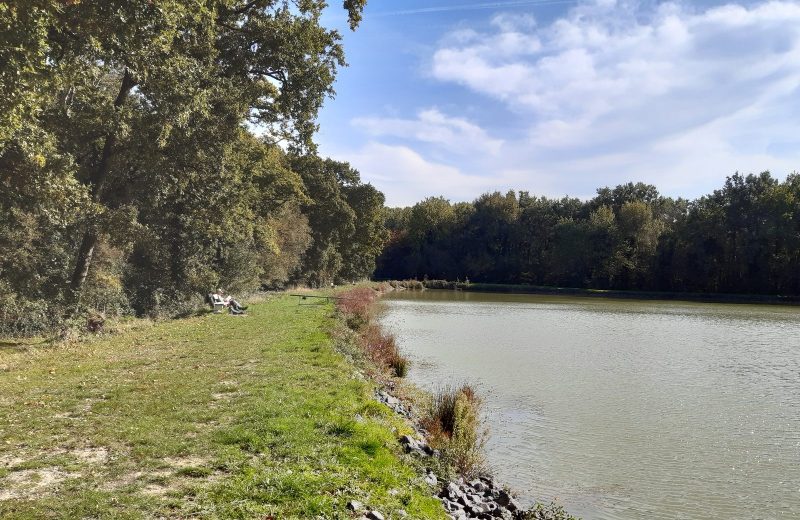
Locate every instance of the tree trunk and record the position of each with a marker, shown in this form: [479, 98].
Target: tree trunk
[97, 179]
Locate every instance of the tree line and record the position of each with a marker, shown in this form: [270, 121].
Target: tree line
[153, 150]
[742, 238]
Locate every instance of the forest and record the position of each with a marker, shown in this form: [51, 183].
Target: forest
[153, 150]
[742, 238]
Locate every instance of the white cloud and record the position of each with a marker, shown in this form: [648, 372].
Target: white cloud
[406, 177]
[608, 93]
[431, 126]
[623, 76]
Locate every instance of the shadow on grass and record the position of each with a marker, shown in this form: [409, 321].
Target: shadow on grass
[21, 345]
[194, 313]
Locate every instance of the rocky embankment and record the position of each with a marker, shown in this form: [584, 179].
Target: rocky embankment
[481, 498]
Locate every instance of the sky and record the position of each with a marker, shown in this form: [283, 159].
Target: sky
[456, 98]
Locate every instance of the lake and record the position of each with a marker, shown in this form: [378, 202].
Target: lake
[622, 409]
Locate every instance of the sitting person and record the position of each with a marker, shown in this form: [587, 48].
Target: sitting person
[234, 306]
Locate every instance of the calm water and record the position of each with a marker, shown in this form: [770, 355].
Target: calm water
[623, 409]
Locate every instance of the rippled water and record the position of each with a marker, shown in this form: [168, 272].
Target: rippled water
[623, 409]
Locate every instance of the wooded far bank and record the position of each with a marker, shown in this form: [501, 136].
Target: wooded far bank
[743, 238]
[152, 151]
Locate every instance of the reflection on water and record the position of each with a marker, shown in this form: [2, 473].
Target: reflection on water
[623, 409]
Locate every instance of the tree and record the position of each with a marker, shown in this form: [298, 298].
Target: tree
[369, 236]
[109, 81]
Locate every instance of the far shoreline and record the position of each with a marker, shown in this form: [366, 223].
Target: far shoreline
[501, 288]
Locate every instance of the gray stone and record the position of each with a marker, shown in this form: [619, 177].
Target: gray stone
[355, 505]
[453, 507]
[390, 400]
[402, 513]
[478, 485]
[407, 440]
[453, 491]
[431, 479]
[375, 515]
[465, 501]
[503, 498]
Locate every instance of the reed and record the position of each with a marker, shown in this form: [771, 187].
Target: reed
[453, 422]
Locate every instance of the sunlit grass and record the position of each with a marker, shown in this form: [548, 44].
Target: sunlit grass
[214, 416]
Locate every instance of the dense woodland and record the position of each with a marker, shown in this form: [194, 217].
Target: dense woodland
[153, 150]
[743, 238]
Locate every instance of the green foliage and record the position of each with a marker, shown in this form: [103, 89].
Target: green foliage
[129, 182]
[550, 511]
[742, 238]
[346, 220]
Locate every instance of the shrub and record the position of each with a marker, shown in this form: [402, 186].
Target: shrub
[399, 365]
[411, 285]
[453, 421]
[382, 349]
[445, 284]
[355, 305]
[21, 318]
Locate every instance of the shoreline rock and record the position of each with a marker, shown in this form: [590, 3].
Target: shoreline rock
[481, 498]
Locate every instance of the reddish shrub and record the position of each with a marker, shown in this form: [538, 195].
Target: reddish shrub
[355, 305]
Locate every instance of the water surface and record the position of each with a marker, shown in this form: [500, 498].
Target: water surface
[621, 409]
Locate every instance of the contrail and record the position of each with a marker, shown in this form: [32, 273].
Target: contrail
[469, 7]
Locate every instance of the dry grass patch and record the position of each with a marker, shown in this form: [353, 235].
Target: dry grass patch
[29, 483]
[91, 455]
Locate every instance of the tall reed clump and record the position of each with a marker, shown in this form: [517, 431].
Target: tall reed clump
[382, 349]
[355, 306]
[453, 422]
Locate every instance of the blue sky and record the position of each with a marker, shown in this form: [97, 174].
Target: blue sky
[556, 97]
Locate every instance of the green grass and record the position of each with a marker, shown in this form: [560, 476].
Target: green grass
[214, 416]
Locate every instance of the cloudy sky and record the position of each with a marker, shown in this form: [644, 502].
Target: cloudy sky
[460, 97]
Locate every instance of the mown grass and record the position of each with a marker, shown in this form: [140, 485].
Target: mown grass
[212, 416]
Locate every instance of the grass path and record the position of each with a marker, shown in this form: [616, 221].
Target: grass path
[215, 416]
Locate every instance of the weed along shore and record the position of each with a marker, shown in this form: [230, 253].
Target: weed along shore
[448, 435]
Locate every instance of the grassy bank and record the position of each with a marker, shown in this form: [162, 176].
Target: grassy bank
[597, 293]
[213, 416]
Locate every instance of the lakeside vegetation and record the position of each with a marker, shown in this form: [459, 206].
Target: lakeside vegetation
[216, 415]
[418, 285]
[742, 239]
[152, 151]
